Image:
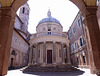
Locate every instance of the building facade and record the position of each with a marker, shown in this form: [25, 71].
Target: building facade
[20, 46]
[50, 45]
[78, 36]
[78, 47]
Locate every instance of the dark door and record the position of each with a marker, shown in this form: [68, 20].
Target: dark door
[49, 56]
[11, 63]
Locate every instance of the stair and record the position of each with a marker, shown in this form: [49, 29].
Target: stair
[39, 68]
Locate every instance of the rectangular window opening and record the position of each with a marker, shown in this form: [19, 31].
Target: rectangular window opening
[49, 29]
[49, 33]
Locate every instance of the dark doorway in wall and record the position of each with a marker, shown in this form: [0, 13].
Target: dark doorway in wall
[11, 65]
[49, 56]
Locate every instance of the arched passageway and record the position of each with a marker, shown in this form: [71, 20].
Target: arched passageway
[88, 9]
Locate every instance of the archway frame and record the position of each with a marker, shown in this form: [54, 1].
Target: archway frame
[88, 9]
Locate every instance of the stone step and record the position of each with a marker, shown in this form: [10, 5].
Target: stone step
[38, 68]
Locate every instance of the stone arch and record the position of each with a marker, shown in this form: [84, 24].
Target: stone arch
[81, 4]
[5, 40]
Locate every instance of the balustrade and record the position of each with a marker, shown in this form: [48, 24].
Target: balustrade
[46, 34]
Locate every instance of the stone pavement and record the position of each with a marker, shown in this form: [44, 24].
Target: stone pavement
[83, 72]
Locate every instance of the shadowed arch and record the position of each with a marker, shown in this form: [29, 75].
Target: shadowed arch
[81, 4]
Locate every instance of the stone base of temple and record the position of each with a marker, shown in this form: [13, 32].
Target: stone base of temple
[84, 66]
[49, 68]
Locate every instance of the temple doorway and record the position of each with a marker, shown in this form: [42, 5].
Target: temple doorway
[49, 56]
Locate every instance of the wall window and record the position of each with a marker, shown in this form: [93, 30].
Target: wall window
[79, 22]
[49, 29]
[13, 52]
[49, 33]
[76, 45]
[27, 12]
[74, 30]
[72, 48]
[23, 11]
[70, 34]
[81, 41]
[98, 0]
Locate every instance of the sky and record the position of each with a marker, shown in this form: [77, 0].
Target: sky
[63, 10]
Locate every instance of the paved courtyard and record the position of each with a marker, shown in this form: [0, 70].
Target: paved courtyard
[83, 72]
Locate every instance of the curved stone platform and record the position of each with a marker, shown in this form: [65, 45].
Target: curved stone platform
[58, 68]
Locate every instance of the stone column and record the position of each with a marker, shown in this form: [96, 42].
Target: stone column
[86, 58]
[81, 59]
[7, 19]
[54, 53]
[36, 53]
[62, 53]
[68, 54]
[30, 56]
[44, 52]
[92, 37]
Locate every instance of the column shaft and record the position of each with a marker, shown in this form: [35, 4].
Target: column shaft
[68, 55]
[44, 52]
[92, 37]
[7, 16]
[62, 52]
[54, 53]
[36, 53]
[30, 56]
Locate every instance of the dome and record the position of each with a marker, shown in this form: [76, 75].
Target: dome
[49, 19]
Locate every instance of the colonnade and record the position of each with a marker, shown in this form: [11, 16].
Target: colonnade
[45, 53]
